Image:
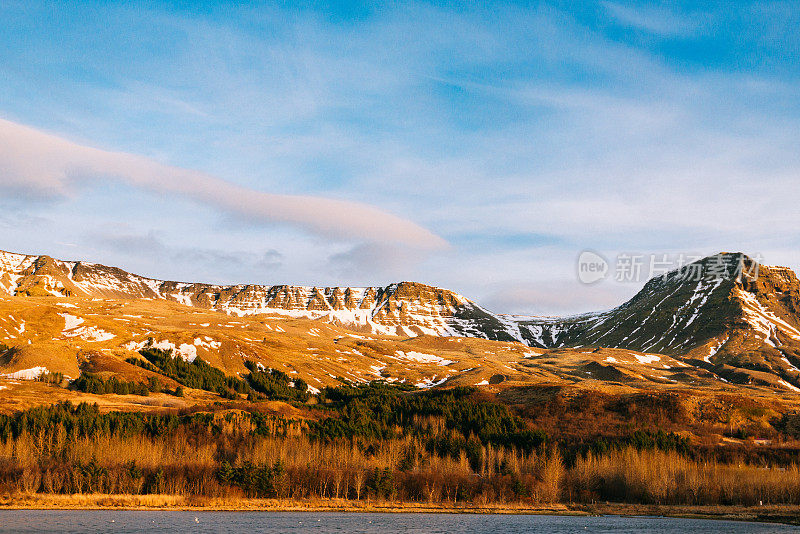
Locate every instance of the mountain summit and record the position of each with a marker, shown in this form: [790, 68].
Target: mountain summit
[724, 310]
[404, 308]
[724, 315]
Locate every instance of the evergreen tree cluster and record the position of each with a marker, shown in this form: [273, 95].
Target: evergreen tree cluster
[376, 410]
[258, 384]
[85, 420]
[256, 480]
[94, 383]
[197, 374]
[275, 384]
[51, 377]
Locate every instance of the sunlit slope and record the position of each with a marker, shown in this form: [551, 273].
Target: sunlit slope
[713, 332]
[70, 335]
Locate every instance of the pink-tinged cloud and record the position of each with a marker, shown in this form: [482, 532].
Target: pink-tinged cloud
[37, 164]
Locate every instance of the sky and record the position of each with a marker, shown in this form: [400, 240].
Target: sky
[477, 146]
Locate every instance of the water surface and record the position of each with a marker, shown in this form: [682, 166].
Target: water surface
[79, 521]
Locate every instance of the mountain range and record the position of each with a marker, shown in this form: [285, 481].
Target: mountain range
[725, 317]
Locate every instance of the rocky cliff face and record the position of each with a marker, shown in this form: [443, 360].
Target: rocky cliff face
[405, 308]
[725, 313]
[671, 314]
[720, 310]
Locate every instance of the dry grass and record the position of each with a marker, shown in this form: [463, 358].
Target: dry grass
[187, 465]
[669, 478]
[313, 350]
[182, 464]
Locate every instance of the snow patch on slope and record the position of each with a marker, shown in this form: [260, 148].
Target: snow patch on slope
[714, 349]
[92, 334]
[185, 350]
[647, 358]
[422, 357]
[762, 320]
[207, 343]
[27, 374]
[70, 321]
[431, 382]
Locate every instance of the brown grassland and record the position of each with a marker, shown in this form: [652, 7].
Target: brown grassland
[224, 461]
[548, 431]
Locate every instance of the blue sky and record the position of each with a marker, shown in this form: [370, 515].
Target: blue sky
[475, 146]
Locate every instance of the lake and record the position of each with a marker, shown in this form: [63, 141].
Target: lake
[79, 521]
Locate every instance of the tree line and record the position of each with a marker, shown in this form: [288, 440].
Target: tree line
[375, 441]
[259, 384]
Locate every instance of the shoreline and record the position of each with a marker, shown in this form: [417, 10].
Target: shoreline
[785, 514]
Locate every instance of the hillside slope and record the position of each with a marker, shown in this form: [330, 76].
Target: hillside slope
[724, 312]
[724, 315]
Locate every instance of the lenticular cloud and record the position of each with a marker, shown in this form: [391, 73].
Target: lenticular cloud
[36, 164]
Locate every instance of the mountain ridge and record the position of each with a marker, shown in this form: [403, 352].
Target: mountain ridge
[731, 328]
[400, 308]
[732, 318]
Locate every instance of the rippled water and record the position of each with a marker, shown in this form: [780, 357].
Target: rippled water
[269, 522]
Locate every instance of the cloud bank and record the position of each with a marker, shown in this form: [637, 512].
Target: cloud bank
[34, 164]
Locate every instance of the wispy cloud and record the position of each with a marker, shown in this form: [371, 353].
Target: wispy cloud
[658, 20]
[40, 164]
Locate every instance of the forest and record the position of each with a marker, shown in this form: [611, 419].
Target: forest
[378, 442]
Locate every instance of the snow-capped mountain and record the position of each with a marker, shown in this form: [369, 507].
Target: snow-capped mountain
[724, 315]
[725, 311]
[404, 309]
[671, 314]
[685, 308]
[724, 303]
